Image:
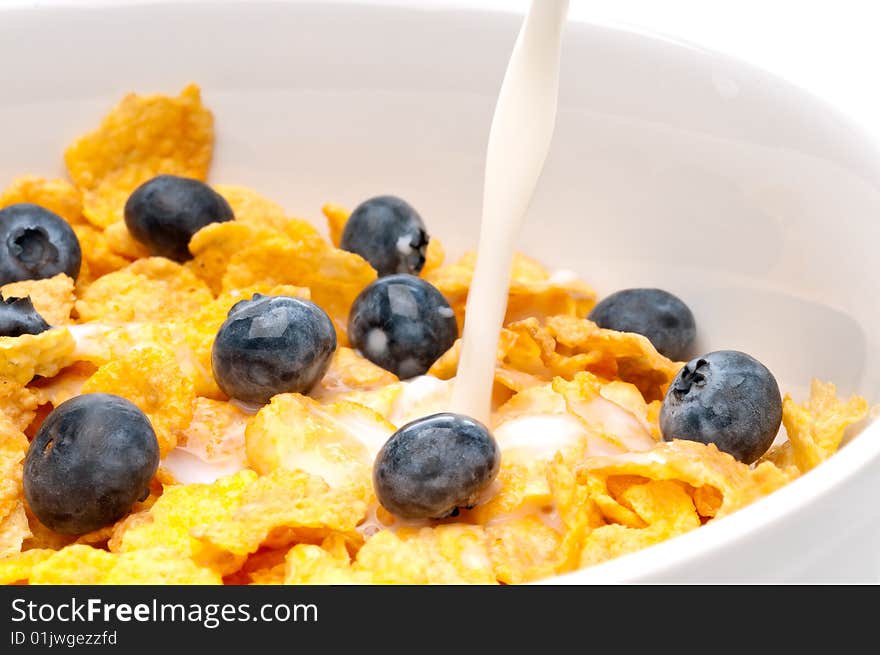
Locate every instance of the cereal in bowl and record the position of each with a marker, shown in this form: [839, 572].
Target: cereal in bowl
[198, 388]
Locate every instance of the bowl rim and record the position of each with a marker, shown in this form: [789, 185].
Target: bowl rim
[854, 457]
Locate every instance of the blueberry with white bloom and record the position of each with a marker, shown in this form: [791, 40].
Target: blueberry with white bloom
[389, 234]
[403, 324]
[270, 345]
[434, 466]
[727, 398]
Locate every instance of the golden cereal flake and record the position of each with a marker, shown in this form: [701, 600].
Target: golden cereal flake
[447, 365]
[252, 209]
[182, 508]
[614, 355]
[604, 418]
[694, 464]
[214, 245]
[216, 432]
[151, 290]
[312, 564]
[81, 564]
[533, 291]
[336, 442]
[276, 507]
[13, 448]
[446, 554]
[435, 255]
[349, 370]
[334, 276]
[816, 428]
[578, 512]
[17, 568]
[63, 386]
[53, 298]
[667, 510]
[143, 136]
[58, 196]
[22, 358]
[121, 242]
[523, 550]
[97, 257]
[151, 379]
[18, 403]
[14, 529]
[336, 217]
[520, 489]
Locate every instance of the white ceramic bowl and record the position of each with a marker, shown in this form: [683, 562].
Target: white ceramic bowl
[671, 167]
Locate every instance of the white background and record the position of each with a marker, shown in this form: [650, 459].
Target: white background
[829, 47]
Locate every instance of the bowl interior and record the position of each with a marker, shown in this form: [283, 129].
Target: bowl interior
[671, 166]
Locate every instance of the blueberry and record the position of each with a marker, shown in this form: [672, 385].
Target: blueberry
[431, 467]
[389, 234]
[654, 313]
[727, 398]
[402, 324]
[36, 244]
[18, 317]
[91, 459]
[270, 345]
[166, 211]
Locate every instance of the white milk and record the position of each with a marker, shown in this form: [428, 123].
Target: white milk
[519, 141]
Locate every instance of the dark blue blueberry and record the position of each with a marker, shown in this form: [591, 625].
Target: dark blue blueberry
[166, 211]
[91, 459]
[389, 234]
[727, 398]
[270, 345]
[36, 244]
[18, 317]
[435, 465]
[402, 324]
[654, 313]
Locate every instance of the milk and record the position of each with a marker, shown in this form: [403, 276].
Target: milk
[519, 141]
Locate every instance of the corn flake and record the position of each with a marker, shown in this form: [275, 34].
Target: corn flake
[250, 208]
[154, 289]
[53, 298]
[816, 428]
[97, 257]
[17, 403]
[46, 353]
[279, 508]
[694, 464]
[182, 508]
[334, 276]
[151, 379]
[311, 564]
[296, 432]
[58, 196]
[120, 242]
[81, 564]
[533, 291]
[17, 568]
[143, 136]
[214, 245]
[336, 217]
[13, 447]
[523, 550]
[446, 554]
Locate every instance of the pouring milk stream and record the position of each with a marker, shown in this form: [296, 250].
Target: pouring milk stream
[519, 140]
